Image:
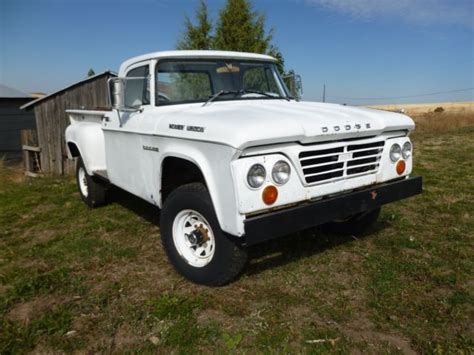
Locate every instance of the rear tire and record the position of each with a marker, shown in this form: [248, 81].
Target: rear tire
[357, 224]
[196, 246]
[91, 189]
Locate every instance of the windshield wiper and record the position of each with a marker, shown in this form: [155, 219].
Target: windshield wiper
[242, 92]
[222, 92]
[246, 91]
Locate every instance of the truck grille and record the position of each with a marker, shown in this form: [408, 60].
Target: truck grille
[345, 161]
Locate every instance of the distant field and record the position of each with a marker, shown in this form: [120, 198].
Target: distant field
[76, 280]
[419, 109]
[453, 115]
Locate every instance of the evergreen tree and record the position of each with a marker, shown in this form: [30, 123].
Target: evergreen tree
[239, 28]
[197, 36]
[275, 53]
[91, 72]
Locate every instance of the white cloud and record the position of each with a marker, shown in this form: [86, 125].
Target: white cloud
[423, 12]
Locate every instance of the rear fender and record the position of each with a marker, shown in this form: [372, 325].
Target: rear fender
[88, 138]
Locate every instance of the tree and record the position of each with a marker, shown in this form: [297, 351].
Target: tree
[239, 28]
[275, 53]
[91, 72]
[197, 36]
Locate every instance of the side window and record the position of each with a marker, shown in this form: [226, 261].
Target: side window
[137, 91]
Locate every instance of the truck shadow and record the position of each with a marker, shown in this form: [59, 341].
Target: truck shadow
[267, 255]
[293, 247]
[140, 207]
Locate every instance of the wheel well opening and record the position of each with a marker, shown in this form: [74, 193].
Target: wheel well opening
[177, 172]
[73, 149]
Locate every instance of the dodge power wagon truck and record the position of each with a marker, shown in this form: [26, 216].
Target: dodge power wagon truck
[215, 140]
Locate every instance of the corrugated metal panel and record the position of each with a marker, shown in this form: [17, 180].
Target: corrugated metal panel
[12, 121]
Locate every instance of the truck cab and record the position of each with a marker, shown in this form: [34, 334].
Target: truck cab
[215, 140]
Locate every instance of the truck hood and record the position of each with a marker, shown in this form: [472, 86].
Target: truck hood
[247, 123]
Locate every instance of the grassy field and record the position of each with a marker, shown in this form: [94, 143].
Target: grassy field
[75, 279]
[466, 107]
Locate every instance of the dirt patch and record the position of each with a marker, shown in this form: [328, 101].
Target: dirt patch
[124, 338]
[4, 289]
[34, 237]
[373, 337]
[209, 316]
[361, 329]
[303, 314]
[24, 312]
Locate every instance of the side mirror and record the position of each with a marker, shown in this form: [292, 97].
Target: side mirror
[129, 94]
[117, 93]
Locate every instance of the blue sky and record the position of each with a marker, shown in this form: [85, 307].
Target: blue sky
[361, 49]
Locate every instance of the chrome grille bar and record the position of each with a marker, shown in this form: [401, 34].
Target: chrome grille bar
[344, 161]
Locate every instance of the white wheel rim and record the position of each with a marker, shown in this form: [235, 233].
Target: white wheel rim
[82, 178]
[195, 254]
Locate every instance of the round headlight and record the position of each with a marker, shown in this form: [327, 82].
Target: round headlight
[256, 176]
[281, 172]
[395, 152]
[406, 150]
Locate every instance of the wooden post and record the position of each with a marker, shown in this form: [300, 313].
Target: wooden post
[31, 152]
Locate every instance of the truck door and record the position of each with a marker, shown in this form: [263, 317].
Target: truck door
[124, 135]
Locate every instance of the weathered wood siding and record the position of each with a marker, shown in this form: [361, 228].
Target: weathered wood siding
[52, 120]
[12, 121]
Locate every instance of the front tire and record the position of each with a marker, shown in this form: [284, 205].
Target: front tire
[92, 190]
[196, 246]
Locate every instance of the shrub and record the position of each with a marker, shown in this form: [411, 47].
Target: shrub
[439, 109]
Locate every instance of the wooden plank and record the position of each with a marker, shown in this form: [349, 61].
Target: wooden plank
[27, 162]
[31, 174]
[31, 148]
[29, 137]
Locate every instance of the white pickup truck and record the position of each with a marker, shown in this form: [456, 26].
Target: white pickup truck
[215, 140]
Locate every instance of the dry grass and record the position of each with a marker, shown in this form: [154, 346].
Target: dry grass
[466, 107]
[76, 280]
[11, 171]
[443, 122]
[455, 115]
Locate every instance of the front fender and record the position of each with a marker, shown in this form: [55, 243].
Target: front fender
[214, 161]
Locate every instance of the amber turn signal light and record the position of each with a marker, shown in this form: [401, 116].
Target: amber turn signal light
[270, 195]
[401, 167]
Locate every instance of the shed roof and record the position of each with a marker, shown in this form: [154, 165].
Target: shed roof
[33, 103]
[11, 93]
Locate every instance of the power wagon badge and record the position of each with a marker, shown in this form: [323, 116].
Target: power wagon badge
[181, 127]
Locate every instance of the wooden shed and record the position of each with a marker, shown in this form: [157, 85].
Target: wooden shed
[13, 120]
[52, 120]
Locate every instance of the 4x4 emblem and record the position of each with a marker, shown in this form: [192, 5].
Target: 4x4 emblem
[345, 157]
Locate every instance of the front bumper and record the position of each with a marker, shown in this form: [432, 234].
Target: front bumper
[283, 222]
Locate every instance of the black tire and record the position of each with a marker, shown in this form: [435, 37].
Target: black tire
[355, 225]
[229, 257]
[96, 189]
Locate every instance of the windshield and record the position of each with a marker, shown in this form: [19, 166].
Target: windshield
[187, 81]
